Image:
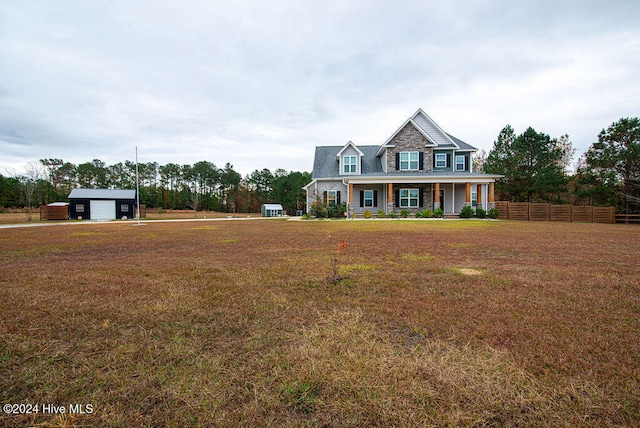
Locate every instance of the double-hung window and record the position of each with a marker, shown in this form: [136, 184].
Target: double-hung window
[441, 160]
[409, 161]
[368, 198]
[459, 162]
[349, 163]
[409, 198]
[332, 197]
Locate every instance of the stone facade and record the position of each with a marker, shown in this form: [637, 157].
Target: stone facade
[409, 139]
[427, 198]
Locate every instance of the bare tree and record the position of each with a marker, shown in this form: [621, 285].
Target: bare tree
[478, 160]
[194, 201]
[29, 181]
[568, 153]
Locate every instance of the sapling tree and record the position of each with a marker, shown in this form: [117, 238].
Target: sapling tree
[336, 251]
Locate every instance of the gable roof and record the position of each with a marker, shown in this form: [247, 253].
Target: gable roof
[462, 145]
[102, 194]
[326, 166]
[350, 143]
[432, 132]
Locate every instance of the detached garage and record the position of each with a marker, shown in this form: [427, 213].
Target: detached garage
[102, 204]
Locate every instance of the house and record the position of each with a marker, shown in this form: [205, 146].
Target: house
[418, 167]
[272, 210]
[102, 204]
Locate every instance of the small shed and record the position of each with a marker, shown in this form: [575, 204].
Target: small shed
[272, 210]
[55, 211]
[102, 204]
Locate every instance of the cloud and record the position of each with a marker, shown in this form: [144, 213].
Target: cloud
[259, 85]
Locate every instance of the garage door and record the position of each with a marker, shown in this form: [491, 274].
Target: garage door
[103, 210]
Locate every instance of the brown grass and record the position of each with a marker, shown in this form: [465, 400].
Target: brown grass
[233, 324]
[19, 216]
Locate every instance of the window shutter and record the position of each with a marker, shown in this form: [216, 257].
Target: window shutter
[397, 161]
[448, 160]
[397, 197]
[338, 197]
[466, 163]
[421, 161]
[433, 158]
[324, 194]
[421, 199]
[375, 198]
[362, 198]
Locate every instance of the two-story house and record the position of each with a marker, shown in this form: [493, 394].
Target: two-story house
[418, 167]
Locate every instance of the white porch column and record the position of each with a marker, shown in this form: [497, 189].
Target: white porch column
[350, 199]
[453, 197]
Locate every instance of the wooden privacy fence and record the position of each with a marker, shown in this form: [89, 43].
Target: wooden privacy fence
[549, 212]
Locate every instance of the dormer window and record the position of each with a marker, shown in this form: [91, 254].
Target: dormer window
[349, 164]
[441, 160]
[460, 163]
[409, 161]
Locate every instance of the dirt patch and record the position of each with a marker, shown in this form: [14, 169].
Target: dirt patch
[470, 271]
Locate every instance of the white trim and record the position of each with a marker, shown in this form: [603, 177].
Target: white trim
[408, 161]
[409, 197]
[350, 143]
[398, 179]
[335, 196]
[344, 164]
[453, 198]
[364, 198]
[444, 134]
[415, 125]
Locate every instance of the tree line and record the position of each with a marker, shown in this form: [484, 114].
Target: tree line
[537, 168]
[201, 186]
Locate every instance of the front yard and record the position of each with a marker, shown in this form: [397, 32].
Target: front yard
[234, 323]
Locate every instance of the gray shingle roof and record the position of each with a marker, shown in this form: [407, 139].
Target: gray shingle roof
[102, 194]
[326, 165]
[461, 144]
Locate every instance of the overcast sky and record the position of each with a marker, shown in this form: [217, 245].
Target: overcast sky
[259, 84]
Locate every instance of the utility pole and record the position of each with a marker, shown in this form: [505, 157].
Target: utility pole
[137, 187]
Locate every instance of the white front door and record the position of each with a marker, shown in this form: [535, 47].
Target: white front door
[102, 210]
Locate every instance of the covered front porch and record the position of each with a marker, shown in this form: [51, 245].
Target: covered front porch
[416, 196]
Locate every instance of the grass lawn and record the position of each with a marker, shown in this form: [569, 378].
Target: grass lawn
[235, 323]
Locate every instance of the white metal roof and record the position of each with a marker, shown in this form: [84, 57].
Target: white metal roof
[272, 206]
[58, 204]
[102, 194]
